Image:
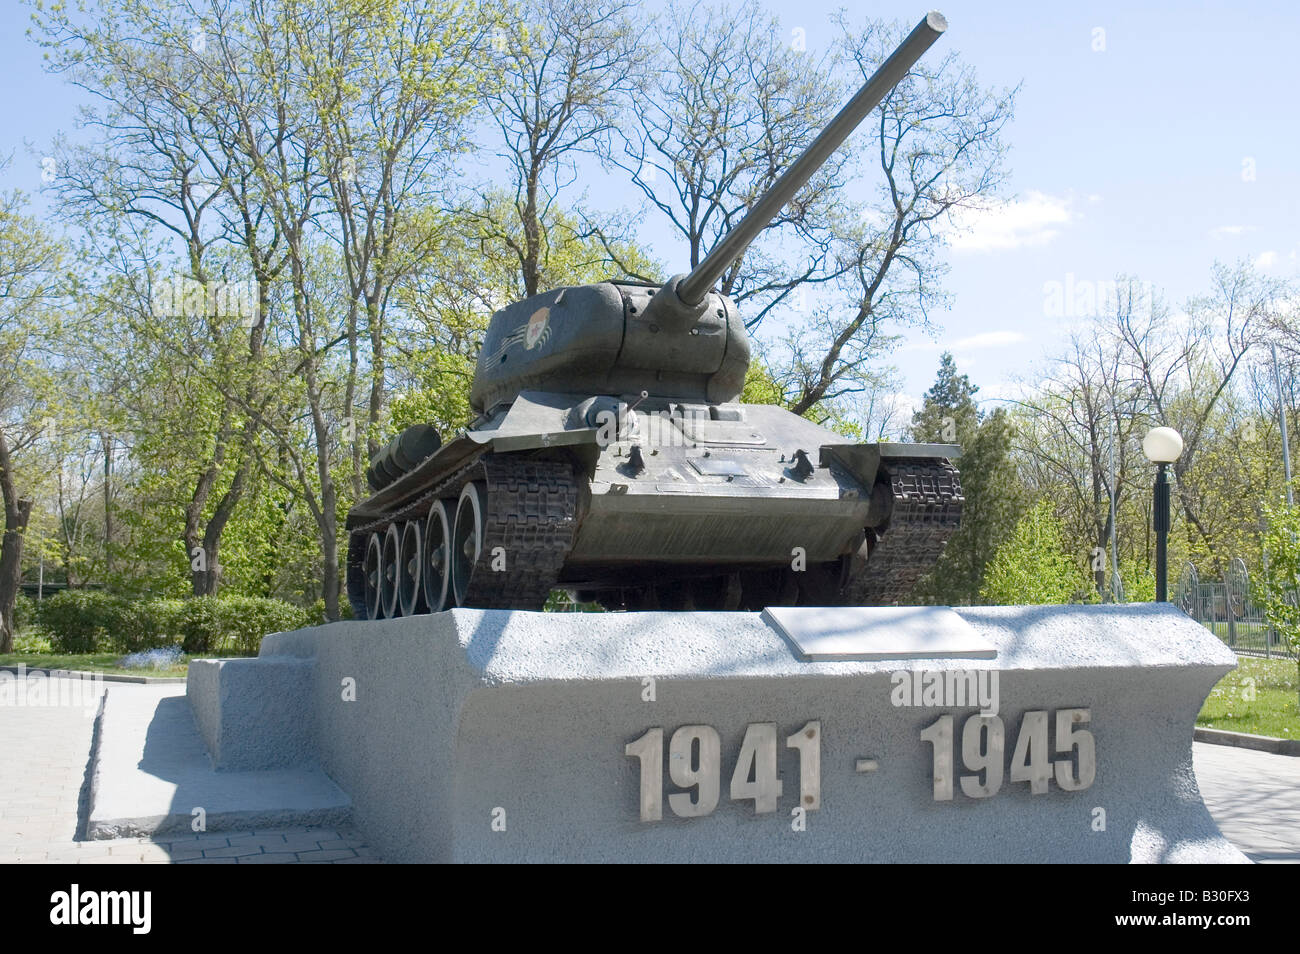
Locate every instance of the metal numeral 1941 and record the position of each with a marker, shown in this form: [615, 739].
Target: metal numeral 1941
[695, 766]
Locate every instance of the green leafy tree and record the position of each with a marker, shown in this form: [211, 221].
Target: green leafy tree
[990, 484]
[29, 261]
[948, 408]
[1281, 587]
[1033, 565]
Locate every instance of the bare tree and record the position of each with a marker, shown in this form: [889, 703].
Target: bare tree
[1186, 364]
[939, 149]
[726, 109]
[566, 68]
[1070, 422]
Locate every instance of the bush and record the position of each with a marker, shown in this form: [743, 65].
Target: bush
[79, 621]
[235, 623]
[85, 621]
[197, 625]
[33, 641]
[1033, 566]
[24, 612]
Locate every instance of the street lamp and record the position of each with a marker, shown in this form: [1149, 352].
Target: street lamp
[1162, 446]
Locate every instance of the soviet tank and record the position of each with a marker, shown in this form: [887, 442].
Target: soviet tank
[612, 458]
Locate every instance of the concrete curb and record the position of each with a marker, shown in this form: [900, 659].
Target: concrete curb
[1243, 740]
[92, 674]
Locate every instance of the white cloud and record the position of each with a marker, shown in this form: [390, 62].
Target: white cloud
[1230, 231]
[1035, 219]
[1266, 259]
[985, 339]
[903, 406]
[989, 339]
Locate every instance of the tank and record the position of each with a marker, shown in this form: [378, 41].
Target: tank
[612, 458]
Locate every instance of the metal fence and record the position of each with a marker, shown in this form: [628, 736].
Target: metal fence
[1227, 607]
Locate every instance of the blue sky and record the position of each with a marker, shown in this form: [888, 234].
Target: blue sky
[1176, 145]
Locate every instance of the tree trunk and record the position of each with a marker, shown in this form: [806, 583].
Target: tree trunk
[17, 511]
[11, 565]
[203, 563]
[108, 505]
[532, 238]
[330, 553]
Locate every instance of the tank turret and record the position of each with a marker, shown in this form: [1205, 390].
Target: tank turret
[680, 339]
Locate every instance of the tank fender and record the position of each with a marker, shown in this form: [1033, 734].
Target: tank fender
[535, 420]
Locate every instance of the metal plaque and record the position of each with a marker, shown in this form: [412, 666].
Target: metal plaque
[877, 632]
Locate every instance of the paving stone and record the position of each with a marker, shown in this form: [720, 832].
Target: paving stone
[236, 852]
[209, 861]
[270, 858]
[1255, 798]
[339, 843]
[325, 855]
[184, 854]
[265, 842]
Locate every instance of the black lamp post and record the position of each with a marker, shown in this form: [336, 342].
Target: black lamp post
[1163, 446]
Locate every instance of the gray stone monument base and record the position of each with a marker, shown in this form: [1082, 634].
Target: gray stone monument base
[484, 735]
[271, 733]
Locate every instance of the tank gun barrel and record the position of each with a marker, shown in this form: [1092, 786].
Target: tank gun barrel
[692, 289]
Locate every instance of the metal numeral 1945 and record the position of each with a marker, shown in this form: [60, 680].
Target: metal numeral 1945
[983, 746]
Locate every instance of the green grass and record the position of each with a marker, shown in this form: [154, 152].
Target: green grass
[107, 663]
[33, 651]
[1258, 697]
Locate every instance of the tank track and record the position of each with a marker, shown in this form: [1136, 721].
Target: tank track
[532, 516]
[927, 504]
[531, 513]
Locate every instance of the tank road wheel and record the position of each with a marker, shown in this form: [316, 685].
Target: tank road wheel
[410, 596]
[435, 573]
[467, 539]
[388, 567]
[371, 570]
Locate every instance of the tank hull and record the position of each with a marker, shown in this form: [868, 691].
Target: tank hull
[619, 498]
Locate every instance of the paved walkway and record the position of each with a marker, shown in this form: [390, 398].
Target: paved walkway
[44, 798]
[44, 792]
[1255, 798]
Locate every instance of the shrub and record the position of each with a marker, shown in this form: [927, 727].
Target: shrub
[79, 621]
[24, 612]
[137, 626]
[235, 623]
[1033, 566]
[83, 621]
[197, 625]
[33, 641]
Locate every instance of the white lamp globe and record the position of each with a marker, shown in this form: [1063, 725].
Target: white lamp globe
[1162, 445]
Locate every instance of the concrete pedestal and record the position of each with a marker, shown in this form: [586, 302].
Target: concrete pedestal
[503, 736]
